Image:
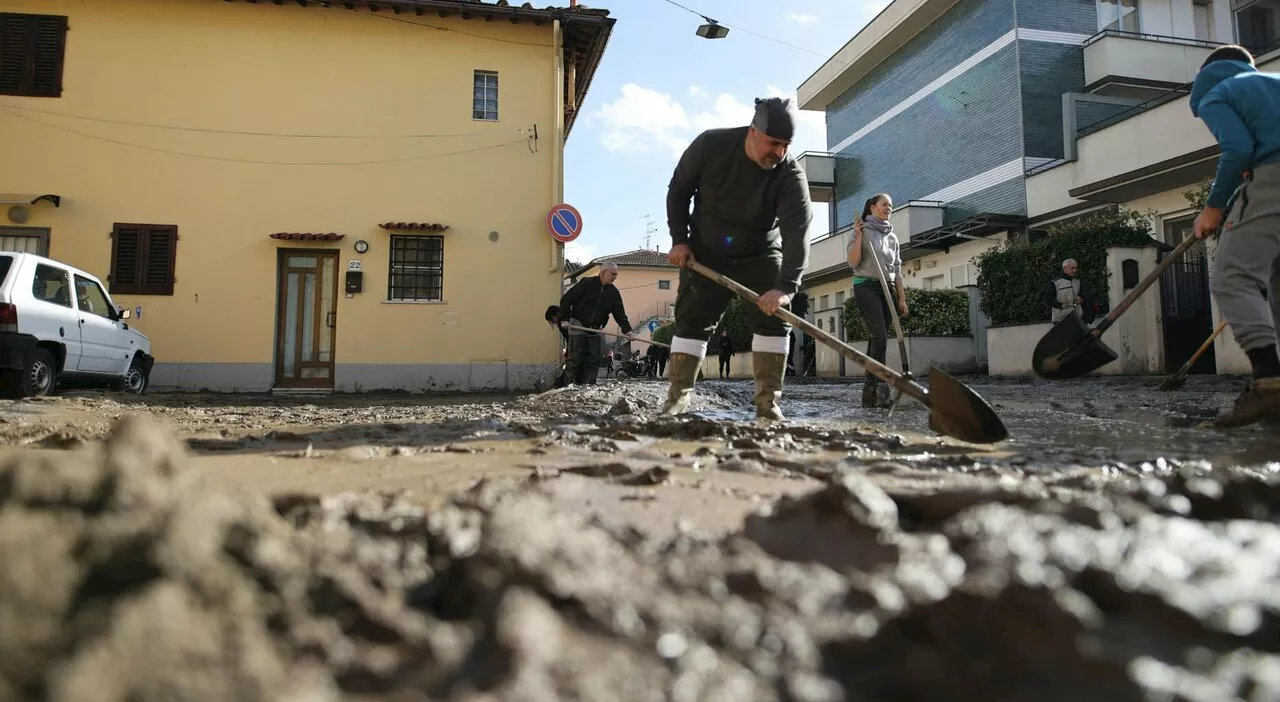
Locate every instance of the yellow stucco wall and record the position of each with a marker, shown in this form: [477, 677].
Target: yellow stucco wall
[286, 69]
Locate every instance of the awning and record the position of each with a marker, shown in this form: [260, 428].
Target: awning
[307, 236]
[414, 226]
[978, 226]
[19, 199]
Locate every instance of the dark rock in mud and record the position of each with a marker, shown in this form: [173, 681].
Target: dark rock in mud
[124, 580]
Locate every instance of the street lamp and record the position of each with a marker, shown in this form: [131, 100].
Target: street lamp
[712, 30]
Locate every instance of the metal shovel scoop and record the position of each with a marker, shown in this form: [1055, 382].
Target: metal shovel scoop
[954, 409]
[1070, 349]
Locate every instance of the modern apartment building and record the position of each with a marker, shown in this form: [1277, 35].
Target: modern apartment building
[947, 105]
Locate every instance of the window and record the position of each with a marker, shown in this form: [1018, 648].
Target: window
[1202, 20]
[484, 101]
[839, 299]
[51, 285]
[31, 53]
[91, 299]
[934, 282]
[822, 302]
[664, 285]
[1256, 25]
[1119, 15]
[142, 259]
[417, 269]
[25, 240]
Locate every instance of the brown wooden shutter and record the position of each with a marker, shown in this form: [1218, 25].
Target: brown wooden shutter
[157, 271]
[143, 259]
[32, 48]
[126, 259]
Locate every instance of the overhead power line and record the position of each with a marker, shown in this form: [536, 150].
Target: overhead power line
[212, 130]
[825, 57]
[171, 152]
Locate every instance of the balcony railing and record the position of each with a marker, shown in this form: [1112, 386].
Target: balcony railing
[1162, 38]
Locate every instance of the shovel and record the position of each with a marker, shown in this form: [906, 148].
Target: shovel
[954, 409]
[1070, 349]
[897, 323]
[566, 325]
[1177, 380]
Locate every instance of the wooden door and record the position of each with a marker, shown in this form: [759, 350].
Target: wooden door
[306, 318]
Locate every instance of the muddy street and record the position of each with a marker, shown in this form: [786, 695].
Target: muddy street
[570, 545]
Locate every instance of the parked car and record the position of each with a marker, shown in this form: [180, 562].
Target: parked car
[58, 322]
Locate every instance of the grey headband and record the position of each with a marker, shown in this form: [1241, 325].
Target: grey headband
[775, 117]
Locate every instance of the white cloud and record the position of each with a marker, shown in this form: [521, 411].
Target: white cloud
[641, 119]
[801, 18]
[577, 252]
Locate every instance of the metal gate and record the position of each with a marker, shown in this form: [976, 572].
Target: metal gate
[1186, 311]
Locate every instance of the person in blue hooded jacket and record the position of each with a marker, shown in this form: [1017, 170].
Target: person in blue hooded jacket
[1241, 106]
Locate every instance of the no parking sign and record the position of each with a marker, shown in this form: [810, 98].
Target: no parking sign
[564, 223]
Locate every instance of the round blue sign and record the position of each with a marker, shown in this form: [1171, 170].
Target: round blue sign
[653, 326]
[564, 223]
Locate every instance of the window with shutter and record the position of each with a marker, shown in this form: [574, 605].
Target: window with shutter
[32, 48]
[142, 259]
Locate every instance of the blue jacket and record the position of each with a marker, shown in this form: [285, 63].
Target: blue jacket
[1242, 108]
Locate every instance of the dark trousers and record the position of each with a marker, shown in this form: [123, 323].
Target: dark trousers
[584, 359]
[875, 311]
[700, 302]
[724, 365]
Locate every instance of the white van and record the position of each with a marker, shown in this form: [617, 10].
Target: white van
[57, 321]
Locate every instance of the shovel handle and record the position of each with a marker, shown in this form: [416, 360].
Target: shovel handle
[871, 365]
[1152, 277]
[1200, 351]
[620, 336]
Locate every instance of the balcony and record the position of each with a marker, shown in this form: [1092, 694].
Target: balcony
[1133, 65]
[828, 252]
[820, 170]
[916, 217]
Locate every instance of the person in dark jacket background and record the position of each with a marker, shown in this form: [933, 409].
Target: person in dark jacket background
[589, 304]
[726, 352]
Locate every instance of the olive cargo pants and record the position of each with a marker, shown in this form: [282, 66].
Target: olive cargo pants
[701, 302]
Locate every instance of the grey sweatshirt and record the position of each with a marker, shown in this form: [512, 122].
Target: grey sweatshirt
[739, 208]
[886, 247]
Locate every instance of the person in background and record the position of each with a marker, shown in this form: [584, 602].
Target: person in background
[1241, 106]
[589, 304]
[1063, 293]
[874, 236]
[726, 353]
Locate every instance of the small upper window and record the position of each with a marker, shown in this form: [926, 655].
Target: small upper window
[484, 101]
[1118, 15]
[31, 54]
[664, 285]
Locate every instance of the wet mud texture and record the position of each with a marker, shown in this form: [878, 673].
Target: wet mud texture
[125, 580]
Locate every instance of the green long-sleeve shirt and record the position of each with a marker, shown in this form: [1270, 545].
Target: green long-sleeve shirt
[739, 208]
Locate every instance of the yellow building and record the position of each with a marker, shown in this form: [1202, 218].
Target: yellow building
[648, 284]
[302, 195]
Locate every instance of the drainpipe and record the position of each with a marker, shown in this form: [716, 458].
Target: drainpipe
[557, 139]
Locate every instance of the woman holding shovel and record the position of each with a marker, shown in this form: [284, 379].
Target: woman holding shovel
[876, 260]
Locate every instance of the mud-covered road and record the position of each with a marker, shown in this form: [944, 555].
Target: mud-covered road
[570, 546]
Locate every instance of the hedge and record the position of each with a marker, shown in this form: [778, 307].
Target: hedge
[1012, 278]
[734, 319]
[931, 313]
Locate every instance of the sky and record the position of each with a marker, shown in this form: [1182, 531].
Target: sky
[660, 84]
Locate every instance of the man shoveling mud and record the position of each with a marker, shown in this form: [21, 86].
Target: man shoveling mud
[750, 222]
[589, 304]
[1242, 108]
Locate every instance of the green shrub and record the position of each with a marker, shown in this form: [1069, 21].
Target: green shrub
[931, 313]
[734, 319]
[1012, 278]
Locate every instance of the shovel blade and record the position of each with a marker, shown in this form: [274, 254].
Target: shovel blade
[1068, 350]
[957, 411]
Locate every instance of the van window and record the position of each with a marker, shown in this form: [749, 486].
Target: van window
[6, 262]
[51, 285]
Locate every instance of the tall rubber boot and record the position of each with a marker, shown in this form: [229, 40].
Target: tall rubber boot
[769, 370]
[682, 370]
